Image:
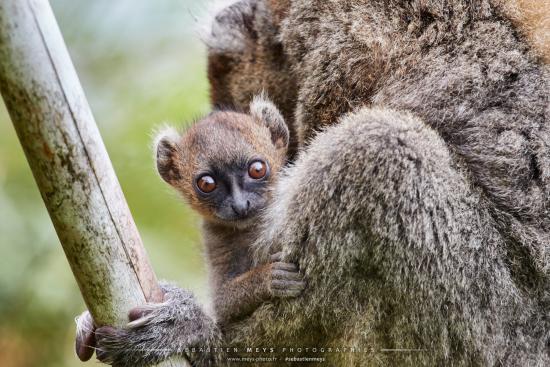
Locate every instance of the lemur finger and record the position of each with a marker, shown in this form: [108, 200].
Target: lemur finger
[289, 290]
[286, 293]
[288, 285]
[138, 313]
[85, 339]
[284, 266]
[142, 315]
[278, 256]
[285, 275]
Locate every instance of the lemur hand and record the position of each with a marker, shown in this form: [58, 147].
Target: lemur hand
[285, 280]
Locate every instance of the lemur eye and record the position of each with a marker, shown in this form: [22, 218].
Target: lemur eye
[206, 184]
[257, 170]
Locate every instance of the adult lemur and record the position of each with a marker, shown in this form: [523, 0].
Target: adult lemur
[420, 214]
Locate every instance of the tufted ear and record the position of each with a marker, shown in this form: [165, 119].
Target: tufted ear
[165, 149]
[263, 110]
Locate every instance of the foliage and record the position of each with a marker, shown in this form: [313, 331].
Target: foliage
[140, 63]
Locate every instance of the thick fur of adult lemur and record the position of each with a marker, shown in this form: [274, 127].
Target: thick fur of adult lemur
[419, 206]
[246, 57]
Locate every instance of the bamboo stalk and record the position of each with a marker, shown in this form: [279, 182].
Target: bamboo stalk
[70, 164]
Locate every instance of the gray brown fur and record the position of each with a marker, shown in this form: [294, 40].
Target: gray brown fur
[238, 286]
[424, 201]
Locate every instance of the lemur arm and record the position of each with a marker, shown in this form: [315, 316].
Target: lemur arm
[241, 295]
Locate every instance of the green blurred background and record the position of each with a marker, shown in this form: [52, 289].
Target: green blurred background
[141, 63]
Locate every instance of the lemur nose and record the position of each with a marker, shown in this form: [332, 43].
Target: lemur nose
[241, 207]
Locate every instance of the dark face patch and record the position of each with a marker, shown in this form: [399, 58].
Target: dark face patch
[222, 159]
[238, 196]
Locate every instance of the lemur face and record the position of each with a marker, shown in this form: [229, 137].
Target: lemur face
[224, 164]
[234, 189]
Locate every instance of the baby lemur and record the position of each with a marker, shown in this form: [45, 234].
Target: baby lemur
[224, 166]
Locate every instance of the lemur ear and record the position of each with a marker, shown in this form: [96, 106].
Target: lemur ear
[263, 110]
[165, 148]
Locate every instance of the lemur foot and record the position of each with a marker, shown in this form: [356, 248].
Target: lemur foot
[155, 333]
